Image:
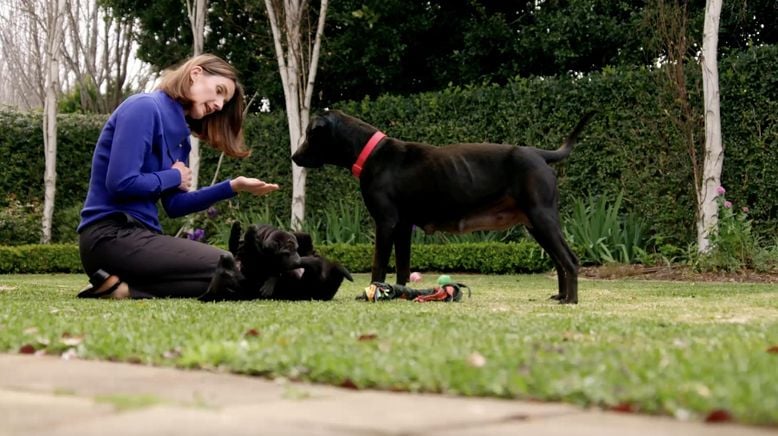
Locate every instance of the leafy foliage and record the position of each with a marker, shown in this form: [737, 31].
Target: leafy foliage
[734, 246]
[601, 234]
[20, 223]
[487, 257]
[631, 145]
[375, 47]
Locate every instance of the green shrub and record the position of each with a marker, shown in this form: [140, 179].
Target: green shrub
[735, 246]
[35, 259]
[601, 234]
[631, 146]
[487, 258]
[20, 222]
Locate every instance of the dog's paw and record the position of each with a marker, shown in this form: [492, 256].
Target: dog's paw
[268, 288]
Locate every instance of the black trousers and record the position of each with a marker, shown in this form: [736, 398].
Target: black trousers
[152, 264]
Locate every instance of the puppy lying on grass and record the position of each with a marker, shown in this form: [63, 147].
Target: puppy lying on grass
[320, 280]
[270, 263]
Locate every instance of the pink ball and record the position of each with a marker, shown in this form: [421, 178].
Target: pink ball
[415, 276]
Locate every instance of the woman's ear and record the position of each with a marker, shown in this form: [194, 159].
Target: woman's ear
[194, 73]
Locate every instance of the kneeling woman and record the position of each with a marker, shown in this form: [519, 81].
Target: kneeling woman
[141, 158]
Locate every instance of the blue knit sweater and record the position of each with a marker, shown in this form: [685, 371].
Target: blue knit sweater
[131, 166]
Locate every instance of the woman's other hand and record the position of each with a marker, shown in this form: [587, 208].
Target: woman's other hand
[252, 185]
[186, 176]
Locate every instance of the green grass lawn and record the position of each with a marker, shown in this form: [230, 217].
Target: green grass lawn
[682, 349]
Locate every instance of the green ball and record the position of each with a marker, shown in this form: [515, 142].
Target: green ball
[445, 280]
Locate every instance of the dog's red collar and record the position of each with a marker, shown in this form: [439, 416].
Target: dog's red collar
[356, 169]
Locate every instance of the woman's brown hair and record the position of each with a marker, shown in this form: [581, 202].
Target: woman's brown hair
[222, 129]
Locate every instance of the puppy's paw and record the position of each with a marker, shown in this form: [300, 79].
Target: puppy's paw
[268, 288]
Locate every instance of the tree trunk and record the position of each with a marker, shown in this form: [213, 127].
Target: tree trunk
[707, 221]
[53, 45]
[197, 13]
[297, 68]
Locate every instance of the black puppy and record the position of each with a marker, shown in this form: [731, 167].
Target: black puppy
[264, 267]
[321, 280]
[321, 277]
[456, 188]
[265, 254]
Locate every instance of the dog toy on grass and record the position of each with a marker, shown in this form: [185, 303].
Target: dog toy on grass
[447, 290]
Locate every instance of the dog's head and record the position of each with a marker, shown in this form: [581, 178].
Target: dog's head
[332, 138]
[272, 248]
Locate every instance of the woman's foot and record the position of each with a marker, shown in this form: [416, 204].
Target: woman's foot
[104, 285]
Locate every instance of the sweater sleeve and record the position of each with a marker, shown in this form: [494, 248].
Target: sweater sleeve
[135, 129]
[178, 203]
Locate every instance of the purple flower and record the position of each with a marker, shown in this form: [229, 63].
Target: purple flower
[212, 212]
[728, 204]
[720, 190]
[745, 209]
[196, 235]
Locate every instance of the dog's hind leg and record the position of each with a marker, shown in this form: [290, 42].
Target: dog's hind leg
[547, 232]
[234, 241]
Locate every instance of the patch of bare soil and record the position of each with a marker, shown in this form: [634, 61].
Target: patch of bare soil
[674, 273]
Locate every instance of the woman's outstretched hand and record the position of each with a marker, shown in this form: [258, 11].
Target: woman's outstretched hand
[252, 185]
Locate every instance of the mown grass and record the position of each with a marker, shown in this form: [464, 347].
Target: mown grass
[682, 349]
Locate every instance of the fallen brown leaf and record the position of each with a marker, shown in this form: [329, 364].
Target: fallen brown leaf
[27, 349]
[719, 415]
[624, 408]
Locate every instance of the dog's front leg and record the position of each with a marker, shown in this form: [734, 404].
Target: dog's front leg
[383, 250]
[402, 252]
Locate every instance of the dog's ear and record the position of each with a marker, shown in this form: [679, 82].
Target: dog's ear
[304, 243]
[234, 238]
[250, 242]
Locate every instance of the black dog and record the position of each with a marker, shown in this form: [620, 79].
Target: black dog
[265, 254]
[257, 263]
[457, 188]
[262, 267]
[321, 277]
[321, 280]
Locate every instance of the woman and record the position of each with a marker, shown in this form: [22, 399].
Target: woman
[141, 157]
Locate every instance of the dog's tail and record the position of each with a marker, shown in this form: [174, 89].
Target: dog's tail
[562, 152]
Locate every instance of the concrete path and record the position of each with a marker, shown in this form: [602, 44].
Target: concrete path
[46, 395]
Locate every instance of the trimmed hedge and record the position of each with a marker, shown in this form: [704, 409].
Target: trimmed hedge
[485, 258]
[631, 146]
[36, 259]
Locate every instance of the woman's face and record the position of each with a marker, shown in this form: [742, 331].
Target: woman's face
[208, 93]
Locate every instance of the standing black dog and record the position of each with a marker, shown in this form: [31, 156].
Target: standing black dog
[456, 188]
